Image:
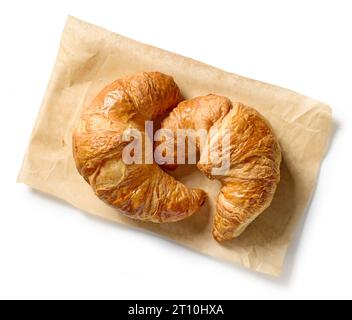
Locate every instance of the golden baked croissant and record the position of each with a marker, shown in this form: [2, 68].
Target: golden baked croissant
[141, 191]
[254, 154]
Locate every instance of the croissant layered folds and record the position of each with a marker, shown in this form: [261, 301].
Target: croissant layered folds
[141, 191]
[254, 153]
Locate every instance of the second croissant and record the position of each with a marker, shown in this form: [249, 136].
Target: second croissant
[253, 152]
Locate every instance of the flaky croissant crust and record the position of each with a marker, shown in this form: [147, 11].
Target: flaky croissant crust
[249, 185]
[140, 191]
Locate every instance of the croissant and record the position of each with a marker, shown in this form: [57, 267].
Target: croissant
[254, 153]
[140, 191]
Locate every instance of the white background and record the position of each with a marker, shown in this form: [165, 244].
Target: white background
[50, 250]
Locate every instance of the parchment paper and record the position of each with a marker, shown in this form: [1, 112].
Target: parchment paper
[91, 57]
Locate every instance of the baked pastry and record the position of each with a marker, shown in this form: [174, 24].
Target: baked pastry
[140, 191]
[249, 184]
[196, 114]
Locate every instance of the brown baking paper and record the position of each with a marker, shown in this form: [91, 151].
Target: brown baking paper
[91, 57]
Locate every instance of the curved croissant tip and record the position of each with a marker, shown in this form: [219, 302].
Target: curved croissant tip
[203, 197]
[200, 197]
[169, 167]
[221, 238]
[217, 236]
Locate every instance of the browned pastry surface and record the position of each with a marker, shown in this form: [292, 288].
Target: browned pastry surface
[255, 156]
[195, 114]
[141, 191]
